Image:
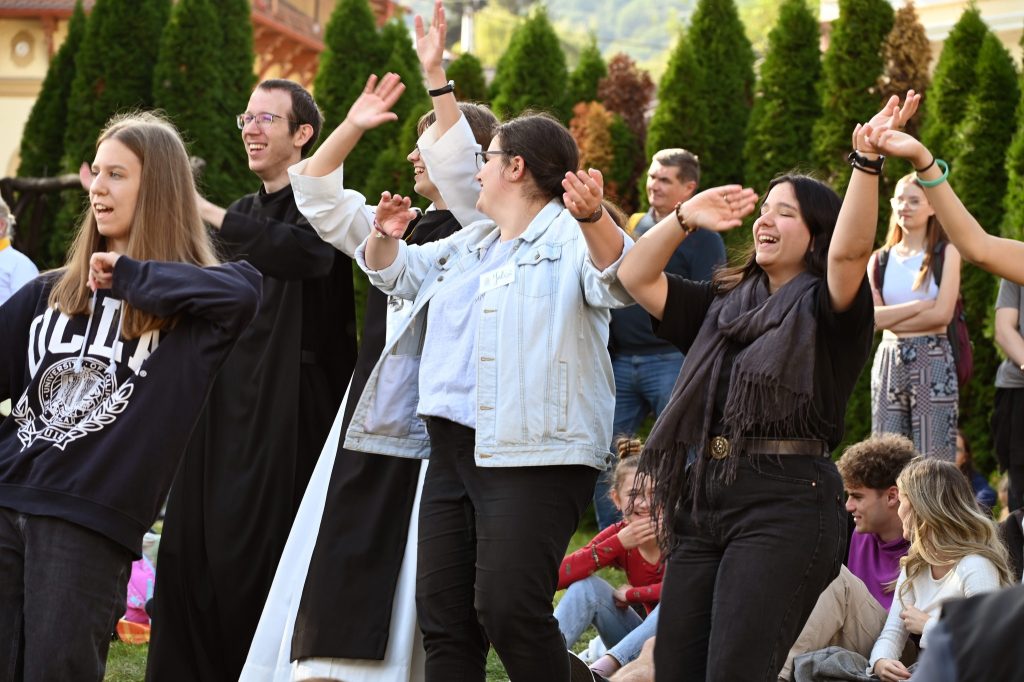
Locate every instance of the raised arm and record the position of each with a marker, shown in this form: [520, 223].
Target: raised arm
[854, 236]
[643, 269]
[584, 191]
[394, 213]
[997, 255]
[371, 109]
[430, 50]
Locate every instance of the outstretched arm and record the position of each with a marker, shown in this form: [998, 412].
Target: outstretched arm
[854, 236]
[643, 269]
[430, 50]
[584, 191]
[371, 109]
[1002, 257]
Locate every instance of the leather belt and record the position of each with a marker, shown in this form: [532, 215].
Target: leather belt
[719, 447]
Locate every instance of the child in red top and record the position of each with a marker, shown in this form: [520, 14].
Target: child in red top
[632, 546]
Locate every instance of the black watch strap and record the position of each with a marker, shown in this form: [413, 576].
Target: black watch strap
[443, 90]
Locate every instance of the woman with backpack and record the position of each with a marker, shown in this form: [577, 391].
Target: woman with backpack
[915, 283]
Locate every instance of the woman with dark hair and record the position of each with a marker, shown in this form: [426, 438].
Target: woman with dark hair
[739, 457]
[913, 378]
[509, 367]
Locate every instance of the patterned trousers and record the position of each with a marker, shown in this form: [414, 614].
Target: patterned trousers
[914, 393]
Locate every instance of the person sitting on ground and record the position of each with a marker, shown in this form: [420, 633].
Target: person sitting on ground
[983, 492]
[955, 551]
[631, 545]
[851, 611]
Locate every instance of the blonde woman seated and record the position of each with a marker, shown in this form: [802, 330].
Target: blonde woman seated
[955, 552]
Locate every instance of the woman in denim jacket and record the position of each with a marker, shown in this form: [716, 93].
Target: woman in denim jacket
[515, 386]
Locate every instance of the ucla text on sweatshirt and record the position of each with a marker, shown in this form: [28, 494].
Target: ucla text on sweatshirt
[99, 422]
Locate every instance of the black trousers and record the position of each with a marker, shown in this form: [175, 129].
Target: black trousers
[1008, 439]
[490, 544]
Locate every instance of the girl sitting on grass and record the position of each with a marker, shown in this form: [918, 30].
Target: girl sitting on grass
[631, 545]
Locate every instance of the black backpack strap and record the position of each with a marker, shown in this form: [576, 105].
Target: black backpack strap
[938, 258]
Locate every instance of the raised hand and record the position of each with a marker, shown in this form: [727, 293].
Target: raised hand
[637, 532]
[430, 43]
[720, 208]
[584, 191]
[891, 117]
[394, 213]
[373, 107]
[101, 269]
[900, 145]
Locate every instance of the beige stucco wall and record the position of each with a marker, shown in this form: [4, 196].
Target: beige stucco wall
[23, 64]
[1004, 17]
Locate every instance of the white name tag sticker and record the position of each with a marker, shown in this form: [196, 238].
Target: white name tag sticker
[498, 278]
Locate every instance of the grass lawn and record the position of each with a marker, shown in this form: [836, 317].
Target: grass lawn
[127, 662]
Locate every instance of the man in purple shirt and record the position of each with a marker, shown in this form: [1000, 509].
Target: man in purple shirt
[851, 611]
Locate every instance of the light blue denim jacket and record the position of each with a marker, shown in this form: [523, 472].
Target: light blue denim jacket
[545, 392]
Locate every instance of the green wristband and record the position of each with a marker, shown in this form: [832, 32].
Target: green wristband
[937, 181]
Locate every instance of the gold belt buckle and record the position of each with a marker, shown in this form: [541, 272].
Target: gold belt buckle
[719, 447]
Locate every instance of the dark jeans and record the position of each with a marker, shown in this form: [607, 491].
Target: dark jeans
[490, 544]
[748, 568]
[62, 587]
[1008, 439]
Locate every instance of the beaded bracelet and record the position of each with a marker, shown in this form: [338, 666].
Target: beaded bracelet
[937, 181]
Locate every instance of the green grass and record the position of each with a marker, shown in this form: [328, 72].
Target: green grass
[127, 662]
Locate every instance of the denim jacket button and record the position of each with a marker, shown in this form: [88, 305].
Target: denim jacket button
[440, 278]
[442, 261]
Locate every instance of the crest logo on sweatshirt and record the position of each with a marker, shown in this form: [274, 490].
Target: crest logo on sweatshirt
[72, 403]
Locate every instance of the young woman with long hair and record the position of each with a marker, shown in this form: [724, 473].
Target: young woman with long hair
[955, 551]
[774, 347]
[109, 360]
[913, 379]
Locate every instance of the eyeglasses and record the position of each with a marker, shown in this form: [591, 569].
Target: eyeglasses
[481, 157]
[262, 119]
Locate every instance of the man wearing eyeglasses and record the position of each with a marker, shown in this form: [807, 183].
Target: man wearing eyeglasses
[267, 415]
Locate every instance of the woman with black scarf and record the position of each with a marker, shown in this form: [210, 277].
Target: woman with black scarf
[740, 456]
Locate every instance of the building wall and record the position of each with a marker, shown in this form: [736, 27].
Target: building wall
[1004, 17]
[23, 63]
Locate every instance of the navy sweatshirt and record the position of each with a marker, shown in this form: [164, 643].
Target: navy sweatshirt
[95, 434]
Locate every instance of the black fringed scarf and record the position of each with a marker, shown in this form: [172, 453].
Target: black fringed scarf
[770, 392]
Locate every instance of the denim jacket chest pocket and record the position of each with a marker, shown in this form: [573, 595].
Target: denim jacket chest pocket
[538, 271]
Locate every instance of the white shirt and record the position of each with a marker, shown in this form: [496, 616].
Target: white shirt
[15, 271]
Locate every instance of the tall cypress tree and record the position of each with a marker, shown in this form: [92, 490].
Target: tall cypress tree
[1013, 220]
[114, 69]
[468, 74]
[681, 119]
[532, 72]
[851, 67]
[237, 81]
[952, 82]
[978, 174]
[588, 73]
[391, 170]
[723, 55]
[352, 51]
[185, 80]
[787, 102]
[113, 73]
[42, 142]
[907, 55]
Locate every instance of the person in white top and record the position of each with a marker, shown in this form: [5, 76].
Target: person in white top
[15, 267]
[955, 552]
[914, 388]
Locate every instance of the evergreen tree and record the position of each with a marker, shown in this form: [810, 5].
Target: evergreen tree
[979, 176]
[113, 70]
[532, 72]
[42, 142]
[681, 118]
[851, 68]
[787, 102]
[185, 80]
[237, 81]
[352, 51]
[588, 73]
[953, 81]
[907, 55]
[724, 57]
[113, 73]
[627, 165]
[468, 74]
[1013, 220]
[390, 170]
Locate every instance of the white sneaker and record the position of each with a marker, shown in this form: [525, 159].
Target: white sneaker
[595, 650]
